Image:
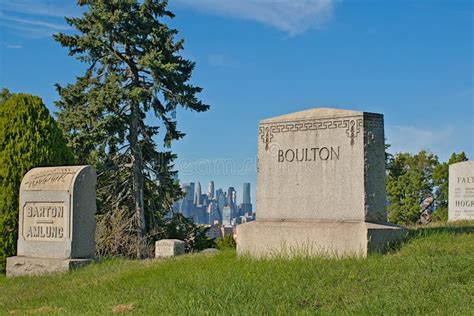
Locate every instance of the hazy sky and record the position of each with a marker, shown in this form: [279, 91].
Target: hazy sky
[411, 60]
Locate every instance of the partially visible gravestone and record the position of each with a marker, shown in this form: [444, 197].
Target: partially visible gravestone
[211, 251]
[56, 227]
[166, 248]
[461, 191]
[320, 186]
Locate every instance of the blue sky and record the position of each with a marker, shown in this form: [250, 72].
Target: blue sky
[411, 60]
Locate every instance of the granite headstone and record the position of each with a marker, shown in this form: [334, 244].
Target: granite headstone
[56, 224]
[461, 191]
[166, 248]
[320, 186]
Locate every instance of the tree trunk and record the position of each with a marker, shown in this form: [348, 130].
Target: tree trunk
[137, 171]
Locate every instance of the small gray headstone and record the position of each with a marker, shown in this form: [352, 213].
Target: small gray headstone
[166, 248]
[461, 191]
[56, 224]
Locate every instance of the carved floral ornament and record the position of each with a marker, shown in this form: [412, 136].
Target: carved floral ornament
[352, 127]
[57, 175]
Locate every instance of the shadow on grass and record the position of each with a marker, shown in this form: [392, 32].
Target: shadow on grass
[415, 232]
[454, 229]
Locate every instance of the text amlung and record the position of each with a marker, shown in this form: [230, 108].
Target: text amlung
[44, 221]
[309, 154]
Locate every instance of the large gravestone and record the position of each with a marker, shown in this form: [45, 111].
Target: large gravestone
[461, 191]
[56, 224]
[320, 186]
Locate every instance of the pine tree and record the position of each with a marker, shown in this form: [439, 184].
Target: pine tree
[29, 137]
[135, 76]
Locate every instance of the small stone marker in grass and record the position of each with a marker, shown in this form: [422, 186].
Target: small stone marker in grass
[56, 227]
[461, 191]
[320, 186]
[166, 248]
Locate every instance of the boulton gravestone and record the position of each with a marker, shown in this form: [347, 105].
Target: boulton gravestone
[56, 224]
[320, 186]
[461, 191]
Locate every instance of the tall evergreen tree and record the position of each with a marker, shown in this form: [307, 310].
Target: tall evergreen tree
[136, 76]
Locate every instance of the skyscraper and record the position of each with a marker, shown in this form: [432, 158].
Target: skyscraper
[226, 215]
[221, 203]
[188, 189]
[230, 196]
[210, 190]
[246, 206]
[191, 192]
[197, 194]
[186, 203]
[246, 194]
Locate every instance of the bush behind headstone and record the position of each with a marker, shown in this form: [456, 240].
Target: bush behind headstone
[29, 137]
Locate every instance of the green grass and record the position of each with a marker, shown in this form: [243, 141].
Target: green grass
[432, 273]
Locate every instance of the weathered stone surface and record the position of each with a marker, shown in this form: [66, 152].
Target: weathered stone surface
[56, 215]
[322, 164]
[19, 265]
[169, 248]
[332, 239]
[461, 191]
[320, 181]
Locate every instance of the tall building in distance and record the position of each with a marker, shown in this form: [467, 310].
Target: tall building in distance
[214, 207]
[218, 193]
[245, 209]
[210, 190]
[231, 196]
[197, 194]
[191, 192]
[246, 194]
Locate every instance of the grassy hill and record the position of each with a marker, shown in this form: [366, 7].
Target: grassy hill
[432, 273]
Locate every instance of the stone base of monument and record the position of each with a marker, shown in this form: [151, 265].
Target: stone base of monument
[20, 265]
[325, 238]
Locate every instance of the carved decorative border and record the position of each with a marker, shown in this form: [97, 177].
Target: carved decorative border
[352, 127]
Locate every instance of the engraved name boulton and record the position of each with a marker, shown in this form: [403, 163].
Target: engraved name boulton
[309, 154]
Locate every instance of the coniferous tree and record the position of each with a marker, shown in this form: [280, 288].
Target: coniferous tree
[112, 114]
[29, 137]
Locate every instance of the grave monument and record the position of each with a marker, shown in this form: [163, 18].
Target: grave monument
[166, 248]
[461, 191]
[320, 186]
[56, 224]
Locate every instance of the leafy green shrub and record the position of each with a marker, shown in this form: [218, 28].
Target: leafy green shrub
[29, 137]
[180, 227]
[228, 242]
[441, 182]
[409, 181]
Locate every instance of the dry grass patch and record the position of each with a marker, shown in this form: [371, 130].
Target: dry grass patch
[39, 310]
[123, 308]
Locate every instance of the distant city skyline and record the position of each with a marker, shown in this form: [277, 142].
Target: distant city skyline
[216, 206]
[409, 60]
